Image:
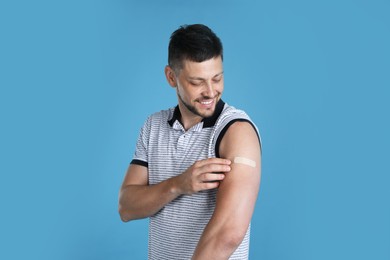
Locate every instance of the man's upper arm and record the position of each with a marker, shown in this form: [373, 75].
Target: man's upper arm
[137, 172]
[237, 193]
[136, 175]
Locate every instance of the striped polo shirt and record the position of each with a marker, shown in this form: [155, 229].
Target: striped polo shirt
[167, 150]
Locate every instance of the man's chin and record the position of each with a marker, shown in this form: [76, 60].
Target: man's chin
[207, 114]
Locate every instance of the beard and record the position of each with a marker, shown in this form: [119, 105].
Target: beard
[194, 110]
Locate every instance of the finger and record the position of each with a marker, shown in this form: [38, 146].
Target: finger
[213, 161]
[209, 185]
[210, 168]
[212, 177]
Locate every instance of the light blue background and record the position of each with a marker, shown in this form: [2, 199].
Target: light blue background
[78, 79]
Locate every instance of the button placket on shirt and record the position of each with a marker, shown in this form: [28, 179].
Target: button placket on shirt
[183, 139]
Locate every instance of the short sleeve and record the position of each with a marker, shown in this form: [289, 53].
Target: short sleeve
[226, 121]
[141, 150]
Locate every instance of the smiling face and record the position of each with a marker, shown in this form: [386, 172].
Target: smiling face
[199, 87]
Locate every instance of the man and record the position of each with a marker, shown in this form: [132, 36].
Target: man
[196, 169]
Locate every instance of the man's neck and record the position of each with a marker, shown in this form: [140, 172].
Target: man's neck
[188, 119]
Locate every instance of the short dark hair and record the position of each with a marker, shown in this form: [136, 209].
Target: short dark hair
[195, 42]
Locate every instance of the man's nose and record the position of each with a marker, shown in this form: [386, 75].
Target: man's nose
[209, 91]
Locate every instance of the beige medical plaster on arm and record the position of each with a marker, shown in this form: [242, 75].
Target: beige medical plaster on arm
[246, 161]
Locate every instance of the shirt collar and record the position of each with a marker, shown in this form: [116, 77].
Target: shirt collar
[207, 122]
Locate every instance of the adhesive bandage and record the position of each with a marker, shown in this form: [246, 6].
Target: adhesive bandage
[245, 161]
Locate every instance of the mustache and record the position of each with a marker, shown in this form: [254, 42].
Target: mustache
[208, 97]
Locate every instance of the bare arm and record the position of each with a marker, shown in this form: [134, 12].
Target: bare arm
[236, 195]
[138, 199]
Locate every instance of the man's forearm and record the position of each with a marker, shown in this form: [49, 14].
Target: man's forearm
[141, 201]
[218, 241]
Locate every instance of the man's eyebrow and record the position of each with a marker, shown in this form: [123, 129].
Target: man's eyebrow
[198, 78]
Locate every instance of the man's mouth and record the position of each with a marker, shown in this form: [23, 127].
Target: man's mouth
[207, 102]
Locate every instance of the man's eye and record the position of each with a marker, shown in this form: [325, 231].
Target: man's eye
[195, 83]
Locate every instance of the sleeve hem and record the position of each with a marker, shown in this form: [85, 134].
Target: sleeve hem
[139, 162]
[221, 135]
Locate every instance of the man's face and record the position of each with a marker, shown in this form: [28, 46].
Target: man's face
[199, 87]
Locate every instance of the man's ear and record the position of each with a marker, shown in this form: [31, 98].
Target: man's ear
[170, 75]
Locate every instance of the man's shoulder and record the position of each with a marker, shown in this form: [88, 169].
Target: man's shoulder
[164, 115]
[229, 116]
[231, 113]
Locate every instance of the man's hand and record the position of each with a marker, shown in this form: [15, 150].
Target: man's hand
[202, 175]
[138, 199]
